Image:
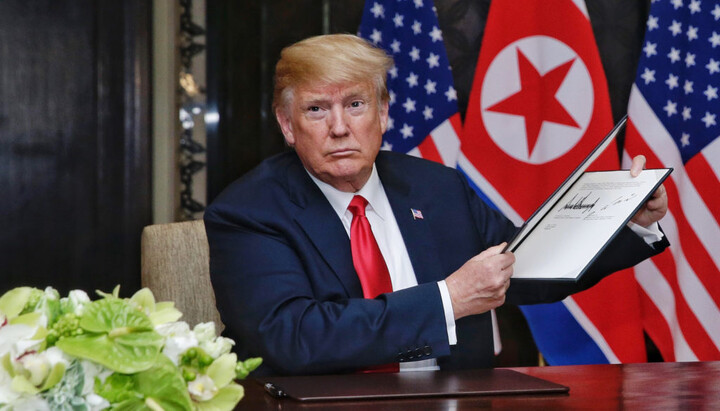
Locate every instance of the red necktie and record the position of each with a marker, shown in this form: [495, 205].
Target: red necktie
[367, 259]
[369, 262]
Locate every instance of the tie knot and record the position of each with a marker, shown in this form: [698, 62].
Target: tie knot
[357, 206]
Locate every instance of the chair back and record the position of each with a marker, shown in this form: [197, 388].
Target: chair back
[175, 262]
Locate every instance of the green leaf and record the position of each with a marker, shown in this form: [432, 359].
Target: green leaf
[6, 363]
[161, 385]
[115, 293]
[13, 301]
[21, 384]
[225, 400]
[130, 353]
[117, 388]
[165, 313]
[56, 374]
[32, 319]
[222, 370]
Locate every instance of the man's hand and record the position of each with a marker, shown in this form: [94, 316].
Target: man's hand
[480, 284]
[656, 207]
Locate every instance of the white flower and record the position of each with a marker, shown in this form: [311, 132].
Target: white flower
[16, 339]
[178, 339]
[96, 402]
[216, 348]
[76, 301]
[37, 366]
[205, 331]
[173, 329]
[29, 403]
[202, 388]
[7, 395]
[91, 371]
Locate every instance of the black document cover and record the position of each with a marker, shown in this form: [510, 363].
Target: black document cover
[408, 385]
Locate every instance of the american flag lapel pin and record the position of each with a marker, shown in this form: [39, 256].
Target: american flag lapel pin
[417, 214]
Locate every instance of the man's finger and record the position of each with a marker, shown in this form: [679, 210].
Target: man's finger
[491, 251]
[638, 163]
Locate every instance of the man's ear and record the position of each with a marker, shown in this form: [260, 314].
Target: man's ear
[285, 125]
[384, 108]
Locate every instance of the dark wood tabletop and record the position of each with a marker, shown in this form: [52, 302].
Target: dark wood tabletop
[691, 385]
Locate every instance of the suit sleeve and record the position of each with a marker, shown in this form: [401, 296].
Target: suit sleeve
[626, 250]
[279, 304]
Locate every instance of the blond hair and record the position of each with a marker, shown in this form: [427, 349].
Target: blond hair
[330, 59]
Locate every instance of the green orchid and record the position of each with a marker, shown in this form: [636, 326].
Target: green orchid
[216, 390]
[158, 312]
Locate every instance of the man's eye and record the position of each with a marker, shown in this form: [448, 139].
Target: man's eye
[356, 104]
[314, 109]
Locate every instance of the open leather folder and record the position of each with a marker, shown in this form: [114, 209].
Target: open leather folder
[407, 385]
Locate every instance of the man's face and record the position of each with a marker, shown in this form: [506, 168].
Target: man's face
[336, 131]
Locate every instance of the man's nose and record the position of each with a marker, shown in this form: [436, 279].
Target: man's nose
[338, 122]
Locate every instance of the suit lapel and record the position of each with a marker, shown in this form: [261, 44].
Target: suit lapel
[416, 233]
[318, 220]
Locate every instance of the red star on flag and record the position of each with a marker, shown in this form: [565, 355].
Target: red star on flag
[536, 99]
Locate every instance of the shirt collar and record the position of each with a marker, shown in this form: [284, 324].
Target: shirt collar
[340, 200]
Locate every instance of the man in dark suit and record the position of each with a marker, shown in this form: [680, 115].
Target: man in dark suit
[283, 245]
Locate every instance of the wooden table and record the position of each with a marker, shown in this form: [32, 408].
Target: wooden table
[653, 386]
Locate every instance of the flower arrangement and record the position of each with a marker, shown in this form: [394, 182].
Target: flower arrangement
[72, 353]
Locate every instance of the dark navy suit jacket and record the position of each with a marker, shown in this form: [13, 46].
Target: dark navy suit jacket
[287, 291]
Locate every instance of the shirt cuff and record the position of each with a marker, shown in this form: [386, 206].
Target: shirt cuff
[449, 314]
[651, 234]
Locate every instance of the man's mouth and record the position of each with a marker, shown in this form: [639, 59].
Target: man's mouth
[342, 152]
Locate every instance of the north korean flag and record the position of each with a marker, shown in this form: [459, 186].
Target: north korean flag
[539, 104]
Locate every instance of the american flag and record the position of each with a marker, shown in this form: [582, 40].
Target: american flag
[673, 112]
[417, 214]
[424, 116]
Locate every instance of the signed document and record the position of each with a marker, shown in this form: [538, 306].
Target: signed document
[575, 224]
[571, 234]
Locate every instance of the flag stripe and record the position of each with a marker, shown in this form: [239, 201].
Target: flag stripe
[701, 171]
[429, 151]
[712, 154]
[488, 190]
[589, 327]
[446, 140]
[695, 309]
[684, 321]
[572, 345]
[667, 335]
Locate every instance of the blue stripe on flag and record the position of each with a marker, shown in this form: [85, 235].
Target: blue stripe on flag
[570, 346]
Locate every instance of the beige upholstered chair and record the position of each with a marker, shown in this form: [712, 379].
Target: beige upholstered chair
[176, 267]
